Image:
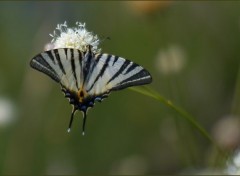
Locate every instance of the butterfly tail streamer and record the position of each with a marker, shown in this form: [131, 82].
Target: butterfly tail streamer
[145, 90]
[84, 122]
[71, 119]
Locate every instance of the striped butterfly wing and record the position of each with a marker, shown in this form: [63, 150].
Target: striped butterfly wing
[115, 73]
[59, 65]
[65, 66]
[86, 77]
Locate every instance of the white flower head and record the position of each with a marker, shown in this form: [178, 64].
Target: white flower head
[131, 165]
[7, 112]
[77, 37]
[233, 165]
[171, 61]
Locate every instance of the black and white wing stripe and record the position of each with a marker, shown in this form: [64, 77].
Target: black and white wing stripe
[86, 77]
[97, 74]
[115, 73]
[63, 65]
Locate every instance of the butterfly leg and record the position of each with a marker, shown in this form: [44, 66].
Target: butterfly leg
[71, 120]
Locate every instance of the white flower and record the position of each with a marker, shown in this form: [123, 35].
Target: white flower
[171, 60]
[48, 46]
[131, 165]
[233, 166]
[226, 132]
[77, 38]
[6, 112]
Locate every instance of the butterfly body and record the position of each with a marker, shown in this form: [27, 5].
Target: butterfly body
[86, 77]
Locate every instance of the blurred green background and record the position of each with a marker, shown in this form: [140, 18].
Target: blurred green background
[192, 50]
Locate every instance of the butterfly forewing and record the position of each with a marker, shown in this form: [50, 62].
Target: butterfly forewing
[115, 73]
[62, 65]
[42, 64]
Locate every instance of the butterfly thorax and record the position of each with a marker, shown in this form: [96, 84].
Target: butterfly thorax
[81, 100]
[82, 94]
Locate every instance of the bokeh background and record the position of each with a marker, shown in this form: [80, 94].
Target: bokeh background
[192, 50]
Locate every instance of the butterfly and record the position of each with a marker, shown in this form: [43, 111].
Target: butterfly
[87, 77]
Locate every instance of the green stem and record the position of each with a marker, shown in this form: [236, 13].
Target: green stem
[152, 93]
[236, 96]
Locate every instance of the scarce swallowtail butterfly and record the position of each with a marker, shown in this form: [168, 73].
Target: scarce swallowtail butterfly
[86, 77]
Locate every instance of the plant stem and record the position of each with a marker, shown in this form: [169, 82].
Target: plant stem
[236, 96]
[155, 95]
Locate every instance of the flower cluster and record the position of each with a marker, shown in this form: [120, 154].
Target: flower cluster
[233, 166]
[77, 38]
[7, 112]
[171, 60]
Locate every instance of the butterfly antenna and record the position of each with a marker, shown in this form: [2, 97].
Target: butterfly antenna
[105, 38]
[84, 122]
[71, 120]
